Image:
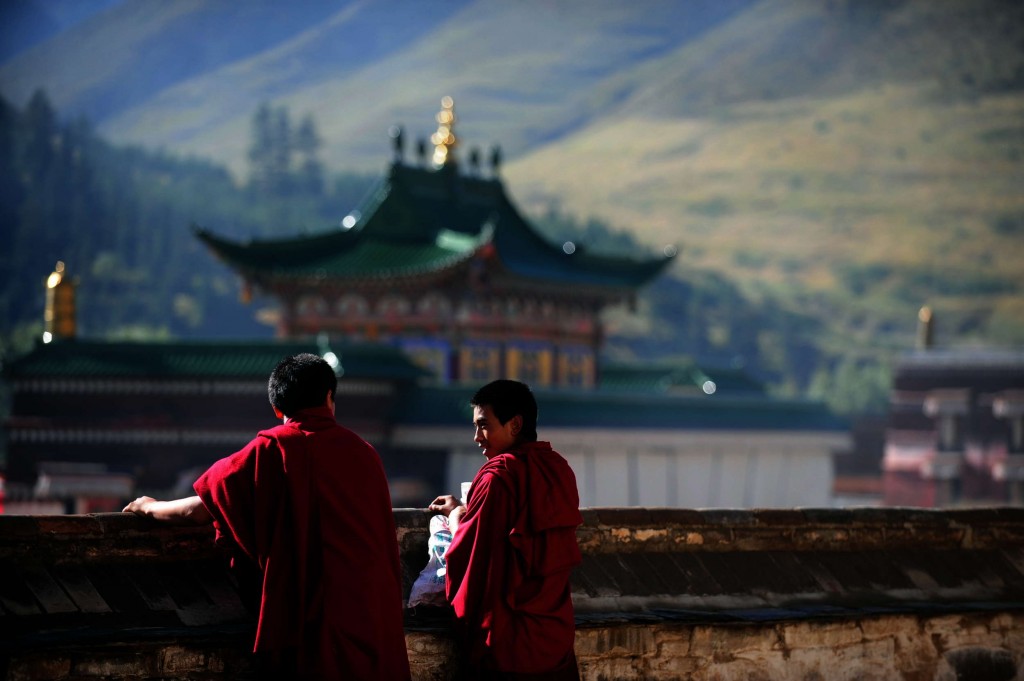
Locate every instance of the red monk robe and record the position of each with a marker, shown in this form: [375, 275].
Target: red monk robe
[308, 502]
[509, 563]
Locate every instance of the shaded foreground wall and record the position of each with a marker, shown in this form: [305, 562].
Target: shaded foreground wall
[662, 594]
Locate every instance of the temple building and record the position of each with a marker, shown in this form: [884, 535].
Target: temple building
[955, 430]
[435, 285]
[439, 262]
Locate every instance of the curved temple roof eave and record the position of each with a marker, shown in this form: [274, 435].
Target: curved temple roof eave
[473, 208]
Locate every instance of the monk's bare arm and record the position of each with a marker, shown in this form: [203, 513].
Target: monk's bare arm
[187, 511]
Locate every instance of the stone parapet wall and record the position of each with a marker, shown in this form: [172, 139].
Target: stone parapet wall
[630, 530]
[662, 594]
[980, 646]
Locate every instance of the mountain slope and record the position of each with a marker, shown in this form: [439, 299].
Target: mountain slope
[877, 185]
[522, 73]
[124, 56]
[852, 159]
[800, 48]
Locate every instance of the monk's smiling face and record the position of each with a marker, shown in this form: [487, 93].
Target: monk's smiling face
[492, 435]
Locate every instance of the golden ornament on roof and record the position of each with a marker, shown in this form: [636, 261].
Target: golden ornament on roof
[444, 139]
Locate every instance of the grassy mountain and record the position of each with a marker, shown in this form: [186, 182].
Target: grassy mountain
[189, 74]
[843, 160]
[874, 183]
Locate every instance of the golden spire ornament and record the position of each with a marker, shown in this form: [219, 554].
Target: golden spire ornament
[444, 139]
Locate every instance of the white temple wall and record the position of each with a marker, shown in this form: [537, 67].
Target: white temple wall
[682, 469]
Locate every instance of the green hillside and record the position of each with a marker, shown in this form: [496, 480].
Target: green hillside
[871, 184]
[522, 73]
[828, 166]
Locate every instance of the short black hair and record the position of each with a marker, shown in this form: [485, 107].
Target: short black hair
[301, 382]
[508, 399]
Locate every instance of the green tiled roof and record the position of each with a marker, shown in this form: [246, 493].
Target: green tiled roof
[170, 360]
[601, 408]
[342, 255]
[421, 220]
[614, 408]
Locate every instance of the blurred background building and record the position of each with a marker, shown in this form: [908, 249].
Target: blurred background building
[955, 430]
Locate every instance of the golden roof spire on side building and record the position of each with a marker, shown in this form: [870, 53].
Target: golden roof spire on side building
[59, 313]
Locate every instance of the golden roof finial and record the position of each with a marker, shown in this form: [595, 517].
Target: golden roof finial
[59, 313]
[444, 139]
[55, 277]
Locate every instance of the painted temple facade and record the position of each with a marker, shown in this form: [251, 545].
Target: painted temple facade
[439, 262]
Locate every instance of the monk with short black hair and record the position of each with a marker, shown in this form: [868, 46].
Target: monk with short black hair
[514, 546]
[307, 502]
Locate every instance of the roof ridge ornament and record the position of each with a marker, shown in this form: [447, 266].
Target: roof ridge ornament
[397, 136]
[495, 159]
[444, 139]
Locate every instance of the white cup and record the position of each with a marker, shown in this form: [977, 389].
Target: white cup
[465, 492]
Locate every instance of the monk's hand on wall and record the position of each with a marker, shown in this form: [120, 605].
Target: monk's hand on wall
[444, 504]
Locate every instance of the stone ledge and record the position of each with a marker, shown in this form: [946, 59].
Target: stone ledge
[79, 593]
[627, 529]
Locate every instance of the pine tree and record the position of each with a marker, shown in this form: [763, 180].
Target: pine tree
[307, 145]
[11, 196]
[261, 150]
[281, 160]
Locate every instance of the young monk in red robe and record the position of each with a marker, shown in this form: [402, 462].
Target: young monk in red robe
[514, 546]
[308, 503]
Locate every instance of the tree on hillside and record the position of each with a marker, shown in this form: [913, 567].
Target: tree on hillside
[852, 386]
[263, 153]
[119, 218]
[284, 161]
[10, 198]
[281, 151]
[46, 194]
[310, 173]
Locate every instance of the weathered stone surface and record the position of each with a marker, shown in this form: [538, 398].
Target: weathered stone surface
[975, 662]
[178, 659]
[33, 667]
[115, 666]
[662, 594]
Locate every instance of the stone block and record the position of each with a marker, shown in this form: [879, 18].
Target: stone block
[673, 644]
[623, 640]
[885, 626]
[811, 634]
[215, 662]
[54, 667]
[612, 669]
[671, 666]
[431, 657]
[743, 669]
[701, 637]
[115, 666]
[177, 659]
[740, 641]
[871, 662]
[956, 631]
